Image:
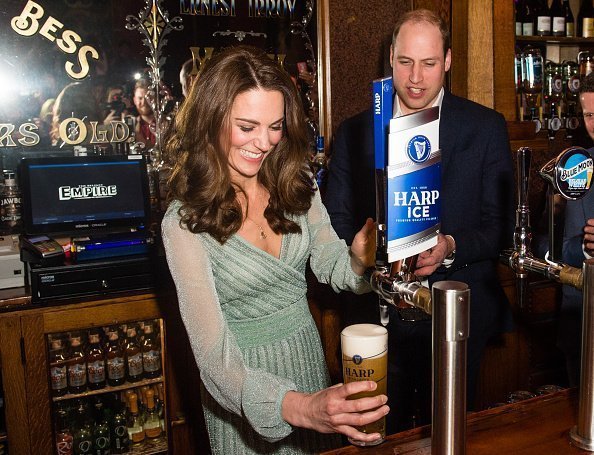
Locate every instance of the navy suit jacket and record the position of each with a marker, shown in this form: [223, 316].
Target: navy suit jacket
[477, 199]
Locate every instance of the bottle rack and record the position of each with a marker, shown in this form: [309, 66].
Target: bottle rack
[114, 399]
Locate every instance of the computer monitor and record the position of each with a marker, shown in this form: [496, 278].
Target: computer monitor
[88, 194]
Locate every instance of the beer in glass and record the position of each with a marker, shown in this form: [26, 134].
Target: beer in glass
[365, 358]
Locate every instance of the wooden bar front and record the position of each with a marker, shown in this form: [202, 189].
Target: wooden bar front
[538, 426]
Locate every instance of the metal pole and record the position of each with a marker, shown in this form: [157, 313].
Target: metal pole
[582, 435]
[451, 305]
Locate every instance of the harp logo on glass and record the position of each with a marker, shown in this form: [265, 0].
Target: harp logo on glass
[97, 191]
[418, 149]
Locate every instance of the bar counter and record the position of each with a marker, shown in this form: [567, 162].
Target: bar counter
[538, 426]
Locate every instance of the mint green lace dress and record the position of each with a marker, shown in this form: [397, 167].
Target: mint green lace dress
[251, 331]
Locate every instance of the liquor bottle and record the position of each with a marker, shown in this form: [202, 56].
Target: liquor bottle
[83, 434]
[116, 365]
[119, 428]
[135, 430]
[58, 368]
[133, 357]
[557, 18]
[101, 433]
[77, 367]
[569, 22]
[585, 19]
[519, 10]
[543, 18]
[10, 205]
[152, 423]
[161, 404]
[95, 363]
[151, 353]
[528, 18]
[64, 438]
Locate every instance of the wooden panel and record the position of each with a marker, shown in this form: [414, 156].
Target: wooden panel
[480, 57]
[100, 313]
[503, 56]
[459, 69]
[13, 379]
[36, 377]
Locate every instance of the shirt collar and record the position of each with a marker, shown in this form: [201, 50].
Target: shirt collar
[398, 111]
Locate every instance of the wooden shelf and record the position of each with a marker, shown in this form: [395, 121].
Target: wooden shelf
[149, 447]
[555, 39]
[108, 389]
[3, 436]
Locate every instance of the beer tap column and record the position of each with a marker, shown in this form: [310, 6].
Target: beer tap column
[582, 435]
[451, 322]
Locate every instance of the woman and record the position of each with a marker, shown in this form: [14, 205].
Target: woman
[245, 220]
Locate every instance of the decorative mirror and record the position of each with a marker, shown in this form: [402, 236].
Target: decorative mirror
[70, 70]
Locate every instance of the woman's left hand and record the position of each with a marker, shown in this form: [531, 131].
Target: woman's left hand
[363, 248]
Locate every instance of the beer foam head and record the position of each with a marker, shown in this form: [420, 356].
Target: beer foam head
[365, 340]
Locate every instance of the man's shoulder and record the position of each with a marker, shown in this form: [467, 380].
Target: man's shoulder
[362, 119]
[468, 108]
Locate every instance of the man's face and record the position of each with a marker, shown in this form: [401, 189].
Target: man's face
[418, 65]
[142, 105]
[587, 102]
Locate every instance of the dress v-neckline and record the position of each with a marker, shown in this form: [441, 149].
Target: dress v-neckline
[254, 247]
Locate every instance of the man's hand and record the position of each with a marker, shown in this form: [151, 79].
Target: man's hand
[589, 237]
[428, 261]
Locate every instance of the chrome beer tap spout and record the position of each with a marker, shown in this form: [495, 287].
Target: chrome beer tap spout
[562, 173]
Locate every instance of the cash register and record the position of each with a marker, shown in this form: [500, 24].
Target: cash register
[99, 209]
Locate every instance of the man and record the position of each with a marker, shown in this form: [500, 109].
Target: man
[477, 206]
[186, 77]
[578, 244]
[145, 121]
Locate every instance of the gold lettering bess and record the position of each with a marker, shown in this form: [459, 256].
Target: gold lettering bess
[50, 27]
[68, 41]
[83, 62]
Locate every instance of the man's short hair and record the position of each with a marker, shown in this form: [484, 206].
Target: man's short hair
[587, 85]
[423, 15]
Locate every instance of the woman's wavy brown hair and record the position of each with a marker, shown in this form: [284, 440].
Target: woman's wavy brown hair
[200, 176]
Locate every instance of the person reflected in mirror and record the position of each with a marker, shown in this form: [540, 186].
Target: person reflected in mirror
[145, 120]
[246, 218]
[578, 244]
[477, 208]
[187, 76]
[77, 101]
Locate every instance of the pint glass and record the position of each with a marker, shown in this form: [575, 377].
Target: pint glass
[365, 358]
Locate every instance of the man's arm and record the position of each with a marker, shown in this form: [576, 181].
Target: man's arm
[339, 199]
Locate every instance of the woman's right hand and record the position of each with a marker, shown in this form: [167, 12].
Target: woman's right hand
[329, 410]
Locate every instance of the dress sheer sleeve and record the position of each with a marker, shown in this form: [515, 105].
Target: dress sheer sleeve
[253, 394]
[330, 257]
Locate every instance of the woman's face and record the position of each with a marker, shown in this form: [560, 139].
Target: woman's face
[256, 126]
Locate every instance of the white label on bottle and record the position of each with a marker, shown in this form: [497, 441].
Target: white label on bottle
[574, 84]
[543, 24]
[570, 29]
[557, 84]
[135, 365]
[518, 28]
[96, 371]
[77, 374]
[116, 369]
[58, 377]
[558, 25]
[528, 29]
[151, 361]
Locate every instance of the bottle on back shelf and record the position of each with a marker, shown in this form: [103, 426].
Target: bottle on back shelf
[83, 433]
[152, 423]
[519, 13]
[116, 365]
[585, 20]
[58, 368]
[95, 363]
[64, 438]
[135, 430]
[528, 18]
[101, 434]
[151, 353]
[543, 18]
[557, 18]
[133, 357]
[77, 367]
[10, 204]
[118, 427]
[569, 21]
